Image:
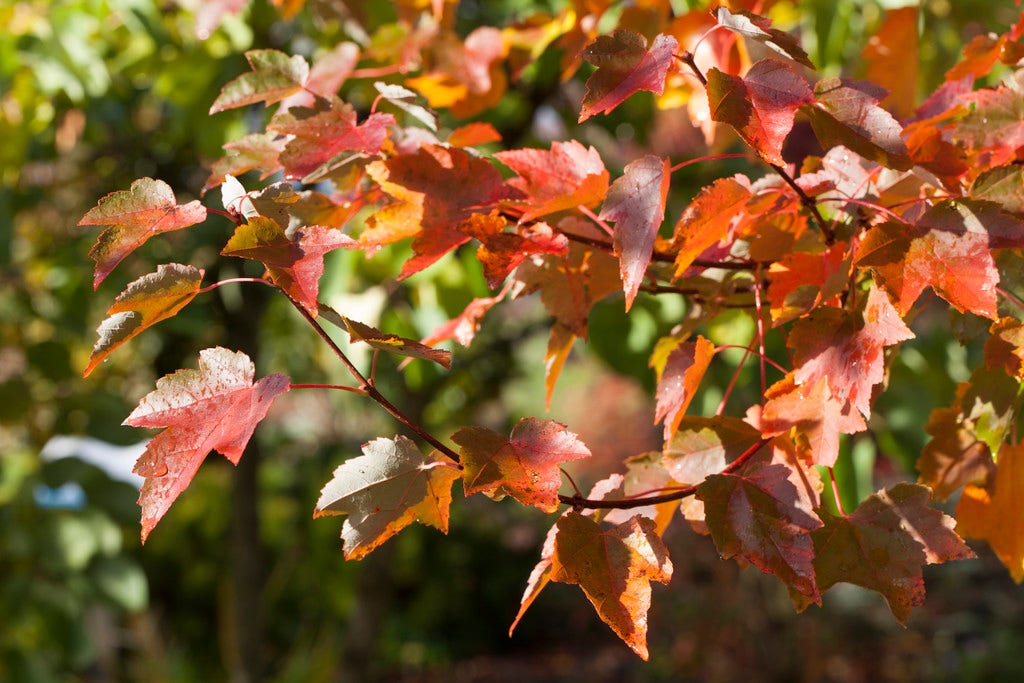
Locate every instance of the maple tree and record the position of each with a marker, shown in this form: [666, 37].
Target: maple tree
[829, 255]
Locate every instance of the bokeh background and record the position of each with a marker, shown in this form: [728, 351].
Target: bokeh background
[238, 583]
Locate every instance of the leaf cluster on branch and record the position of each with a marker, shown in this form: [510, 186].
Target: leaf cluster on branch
[831, 255]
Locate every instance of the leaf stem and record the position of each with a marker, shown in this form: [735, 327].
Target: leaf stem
[215, 285]
[679, 494]
[342, 387]
[809, 202]
[661, 256]
[687, 58]
[712, 157]
[370, 390]
[1010, 296]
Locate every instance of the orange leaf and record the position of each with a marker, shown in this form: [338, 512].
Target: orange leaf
[624, 67]
[525, 465]
[614, 567]
[708, 218]
[385, 490]
[891, 56]
[133, 216]
[557, 180]
[142, 304]
[994, 514]
[678, 381]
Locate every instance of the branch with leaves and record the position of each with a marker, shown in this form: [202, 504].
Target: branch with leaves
[831, 257]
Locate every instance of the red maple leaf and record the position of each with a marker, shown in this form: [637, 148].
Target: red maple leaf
[325, 137]
[563, 178]
[215, 407]
[846, 347]
[524, 465]
[624, 67]
[636, 204]
[761, 106]
[709, 218]
[133, 216]
[678, 381]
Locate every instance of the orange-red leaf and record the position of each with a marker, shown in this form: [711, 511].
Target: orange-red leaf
[563, 178]
[614, 567]
[436, 189]
[708, 218]
[799, 281]
[256, 151]
[524, 465]
[883, 544]
[678, 381]
[385, 490]
[892, 60]
[761, 105]
[636, 204]
[846, 347]
[500, 252]
[994, 514]
[142, 304]
[955, 456]
[624, 67]
[215, 407]
[133, 216]
[274, 76]
[463, 327]
[294, 261]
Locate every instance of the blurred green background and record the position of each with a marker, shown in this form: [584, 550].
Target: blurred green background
[238, 582]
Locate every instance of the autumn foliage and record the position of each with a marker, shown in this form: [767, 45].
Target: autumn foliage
[832, 253]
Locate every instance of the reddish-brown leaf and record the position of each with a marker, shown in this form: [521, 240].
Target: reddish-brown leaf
[709, 218]
[955, 456]
[678, 381]
[133, 216]
[705, 445]
[846, 347]
[466, 76]
[524, 465]
[560, 343]
[614, 567]
[294, 259]
[624, 67]
[993, 514]
[1005, 347]
[274, 76]
[327, 136]
[501, 252]
[436, 189]
[551, 181]
[764, 513]
[846, 113]
[329, 71]
[142, 304]
[816, 412]
[215, 407]
[801, 281]
[636, 204]
[761, 105]
[883, 544]
[392, 343]
[385, 490]
[256, 151]
[539, 577]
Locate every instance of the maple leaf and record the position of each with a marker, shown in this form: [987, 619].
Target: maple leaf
[993, 514]
[1003, 185]
[142, 304]
[274, 76]
[501, 252]
[708, 219]
[466, 76]
[148, 208]
[473, 134]
[846, 347]
[215, 407]
[563, 178]
[645, 474]
[294, 261]
[955, 455]
[436, 190]
[705, 445]
[800, 281]
[614, 567]
[636, 204]
[392, 343]
[525, 465]
[256, 151]
[846, 113]
[539, 577]
[760, 29]
[761, 105]
[331, 68]
[948, 249]
[764, 513]
[892, 62]
[678, 380]
[624, 67]
[560, 343]
[385, 490]
[815, 410]
[883, 544]
[1005, 347]
[409, 102]
[326, 136]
